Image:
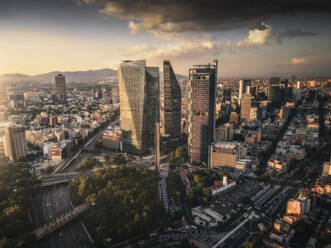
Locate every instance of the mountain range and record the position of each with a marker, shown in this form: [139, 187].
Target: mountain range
[71, 76]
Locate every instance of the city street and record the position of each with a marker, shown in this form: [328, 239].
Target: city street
[52, 202]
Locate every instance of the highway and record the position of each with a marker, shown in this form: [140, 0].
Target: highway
[52, 202]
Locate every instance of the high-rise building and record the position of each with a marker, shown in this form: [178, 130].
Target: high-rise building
[275, 95]
[139, 108]
[202, 94]
[227, 94]
[243, 87]
[225, 132]
[15, 143]
[157, 146]
[172, 102]
[246, 104]
[60, 83]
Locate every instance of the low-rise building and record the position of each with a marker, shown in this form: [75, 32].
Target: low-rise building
[224, 154]
[111, 138]
[298, 207]
[326, 168]
[279, 166]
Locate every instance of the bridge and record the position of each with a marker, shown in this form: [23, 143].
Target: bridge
[61, 178]
[58, 222]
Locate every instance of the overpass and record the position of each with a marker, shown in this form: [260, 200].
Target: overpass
[58, 222]
[62, 178]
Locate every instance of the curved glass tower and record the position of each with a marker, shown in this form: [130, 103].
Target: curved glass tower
[139, 104]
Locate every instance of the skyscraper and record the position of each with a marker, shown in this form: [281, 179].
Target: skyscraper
[60, 83]
[15, 143]
[246, 104]
[157, 146]
[243, 87]
[172, 102]
[202, 95]
[139, 104]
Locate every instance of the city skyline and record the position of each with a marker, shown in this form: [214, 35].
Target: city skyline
[43, 36]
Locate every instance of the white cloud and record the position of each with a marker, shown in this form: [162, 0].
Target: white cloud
[256, 37]
[298, 61]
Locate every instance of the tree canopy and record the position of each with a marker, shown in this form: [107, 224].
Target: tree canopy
[123, 202]
[16, 186]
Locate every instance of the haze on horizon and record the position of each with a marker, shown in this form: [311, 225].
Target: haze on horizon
[248, 38]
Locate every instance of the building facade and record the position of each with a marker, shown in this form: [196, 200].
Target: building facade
[224, 154]
[243, 87]
[172, 102]
[15, 143]
[326, 168]
[60, 84]
[139, 105]
[245, 108]
[202, 94]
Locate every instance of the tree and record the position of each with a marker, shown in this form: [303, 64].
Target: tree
[107, 158]
[120, 159]
[181, 154]
[49, 169]
[134, 193]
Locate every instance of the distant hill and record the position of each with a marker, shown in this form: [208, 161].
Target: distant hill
[71, 76]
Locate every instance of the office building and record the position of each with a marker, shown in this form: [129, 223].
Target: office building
[246, 104]
[157, 146]
[172, 102]
[202, 94]
[227, 92]
[60, 84]
[139, 105]
[243, 87]
[15, 143]
[275, 95]
[224, 154]
[225, 132]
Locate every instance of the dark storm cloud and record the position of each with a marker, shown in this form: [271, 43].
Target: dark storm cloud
[293, 33]
[203, 15]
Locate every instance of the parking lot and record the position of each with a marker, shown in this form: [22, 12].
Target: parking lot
[232, 199]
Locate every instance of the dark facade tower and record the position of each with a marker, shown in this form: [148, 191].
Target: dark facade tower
[157, 146]
[139, 108]
[172, 102]
[202, 95]
[60, 84]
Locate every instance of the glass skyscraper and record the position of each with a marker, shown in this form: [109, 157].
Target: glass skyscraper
[60, 83]
[172, 101]
[139, 105]
[202, 94]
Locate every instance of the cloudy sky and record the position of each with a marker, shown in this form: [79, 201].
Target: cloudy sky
[249, 37]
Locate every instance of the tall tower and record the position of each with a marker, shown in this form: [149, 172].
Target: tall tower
[245, 107]
[157, 146]
[60, 83]
[202, 95]
[15, 143]
[243, 87]
[172, 101]
[139, 104]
